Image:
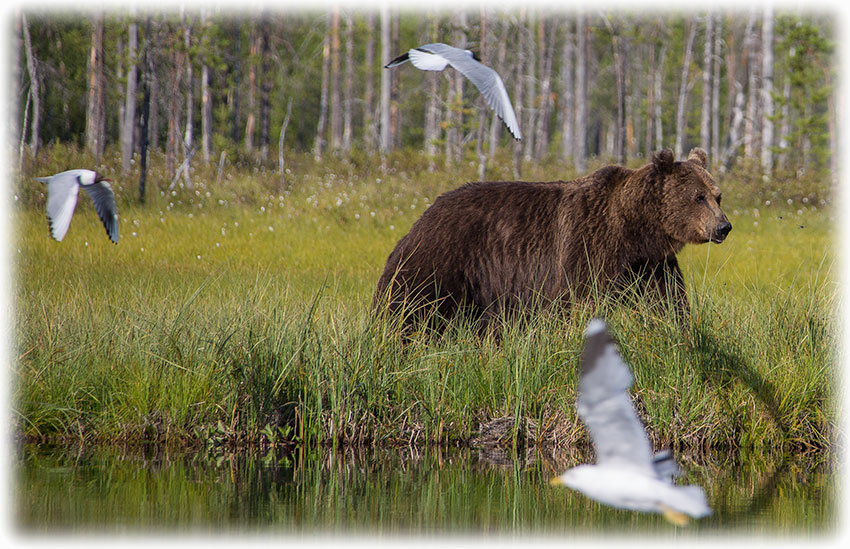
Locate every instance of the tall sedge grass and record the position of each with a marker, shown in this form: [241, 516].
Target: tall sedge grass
[218, 321]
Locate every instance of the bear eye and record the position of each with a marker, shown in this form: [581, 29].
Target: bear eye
[700, 199]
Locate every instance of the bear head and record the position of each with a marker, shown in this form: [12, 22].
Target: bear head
[690, 199]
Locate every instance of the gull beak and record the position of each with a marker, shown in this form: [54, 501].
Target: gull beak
[556, 481]
[677, 518]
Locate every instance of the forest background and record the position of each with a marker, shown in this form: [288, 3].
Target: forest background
[214, 85]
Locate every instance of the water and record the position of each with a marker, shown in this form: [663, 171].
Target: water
[389, 491]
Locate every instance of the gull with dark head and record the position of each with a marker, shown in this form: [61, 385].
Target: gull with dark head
[62, 190]
[626, 474]
[437, 56]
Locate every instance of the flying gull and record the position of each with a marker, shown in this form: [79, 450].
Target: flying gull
[62, 190]
[626, 474]
[435, 57]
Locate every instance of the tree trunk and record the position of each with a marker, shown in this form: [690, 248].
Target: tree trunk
[581, 93]
[456, 128]
[482, 109]
[235, 95]
[348, 87]
[785, 126]
[753, 64]
[682, 103]
[619, 133]
[767, 92]
[281, 166]
[395, 113]
[319, 145]
[658, 121]
[650, 93]
[172, 145]
[206, 101]
[566, 107]
[369, 125]
[128, 124]
[547, 50]
[17, 80]
[705, 118]
[146, 111]
[385, 79]
[519, 99]
[715, 89]
[432, 102]
[335, 83]
[35, 92]
[188, 135]
[832, 128]
[735, 138]
[266, 83]
[530, 78]
[251, 117]
[95, 113]
[495, 122]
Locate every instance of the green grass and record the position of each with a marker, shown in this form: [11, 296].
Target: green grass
[239, 312]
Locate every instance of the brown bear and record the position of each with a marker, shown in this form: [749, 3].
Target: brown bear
[493, 247]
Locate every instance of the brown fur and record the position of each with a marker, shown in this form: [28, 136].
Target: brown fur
[498, 246]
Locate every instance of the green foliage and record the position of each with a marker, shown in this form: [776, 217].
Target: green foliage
[808, 65]
[61, 41]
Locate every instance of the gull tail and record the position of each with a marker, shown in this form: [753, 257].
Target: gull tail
[401, 59]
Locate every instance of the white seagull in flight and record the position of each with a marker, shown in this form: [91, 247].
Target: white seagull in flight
[62, 190]
[626, 474]
[435, 57]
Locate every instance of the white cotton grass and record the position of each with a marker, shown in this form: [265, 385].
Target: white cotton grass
[627, 474]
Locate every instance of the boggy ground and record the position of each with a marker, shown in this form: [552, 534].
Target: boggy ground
[237, 312]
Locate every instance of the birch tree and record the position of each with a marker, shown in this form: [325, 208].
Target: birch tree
[348, 87]
[715, 89]
[753, 89]
[581, 93]
[128, 124]
[566, 109]
[684, 86]
[34, 93]
[206, 95]
[369, 120]
[705, 118]
[319, 145]
[385, 79]
[96, 111]
[767, 92]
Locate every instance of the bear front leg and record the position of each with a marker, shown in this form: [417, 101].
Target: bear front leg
[669, 286]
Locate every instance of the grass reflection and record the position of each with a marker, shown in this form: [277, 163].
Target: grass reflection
[390, 491]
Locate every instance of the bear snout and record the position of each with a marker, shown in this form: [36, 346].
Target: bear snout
[721, 231]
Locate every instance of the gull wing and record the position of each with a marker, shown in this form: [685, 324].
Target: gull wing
[104, 202]
[434, 57]
[62, 190]
[425, 60]
[605, 406]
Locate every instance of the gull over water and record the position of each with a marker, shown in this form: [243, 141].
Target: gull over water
[437, 56]
[626, 474]
[62, 191]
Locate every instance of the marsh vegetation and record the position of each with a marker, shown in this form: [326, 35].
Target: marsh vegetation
[238, 313]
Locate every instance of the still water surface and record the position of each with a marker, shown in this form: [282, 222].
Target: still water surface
[390, 491]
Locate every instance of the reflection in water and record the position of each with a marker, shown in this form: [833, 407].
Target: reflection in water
[398, 490]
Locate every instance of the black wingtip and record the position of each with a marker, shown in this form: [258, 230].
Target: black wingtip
[403, 58]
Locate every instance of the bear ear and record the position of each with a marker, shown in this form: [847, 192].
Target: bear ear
[663, 160]
[699, 157]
